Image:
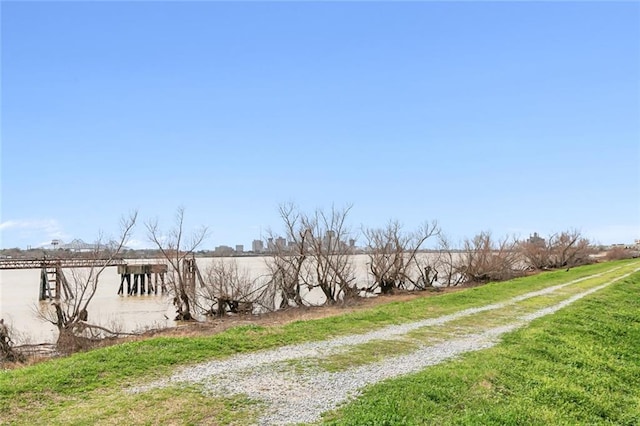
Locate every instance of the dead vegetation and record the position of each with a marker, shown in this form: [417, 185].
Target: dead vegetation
[31, 354]
[71, 314]
[394, 263]
[7, 351]
[560, 250]
[485, 258]
[177, 248]
[314, 252]
[619, 253]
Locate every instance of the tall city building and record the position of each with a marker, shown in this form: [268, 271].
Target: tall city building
[257, 246]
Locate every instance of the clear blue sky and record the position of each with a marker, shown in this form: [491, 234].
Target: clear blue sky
[509, 117]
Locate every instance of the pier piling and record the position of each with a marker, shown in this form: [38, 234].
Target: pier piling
[142, 278]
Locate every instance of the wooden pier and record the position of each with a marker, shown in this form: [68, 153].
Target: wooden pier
[142, 273]
[54, 284]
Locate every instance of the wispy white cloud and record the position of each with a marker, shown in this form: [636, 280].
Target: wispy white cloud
[49, 225]
[9, 224]
[138, 244]
[19, 232]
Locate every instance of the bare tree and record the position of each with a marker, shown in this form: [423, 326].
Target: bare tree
[569, 249]
[315, 254]
[560, 250]
[71, 316]
[227, 288]
[536, 253]
[7, 353]
[286, 264]
[484, 259]
[446, 263]
[178, 249]
[393, 257]
[332, 262]
[422, 270]
[619, 253]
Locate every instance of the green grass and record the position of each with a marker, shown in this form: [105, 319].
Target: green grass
[500, 316]
[366, 353]
[173, 405]
[379, 350]
[61, 384]
[354, 356]
[578, 366]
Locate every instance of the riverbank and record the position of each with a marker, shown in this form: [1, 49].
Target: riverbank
[40, 352]
[88, 387]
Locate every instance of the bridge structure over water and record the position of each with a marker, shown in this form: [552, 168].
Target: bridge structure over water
[53, 282]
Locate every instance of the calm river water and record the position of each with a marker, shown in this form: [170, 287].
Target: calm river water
[19, 303]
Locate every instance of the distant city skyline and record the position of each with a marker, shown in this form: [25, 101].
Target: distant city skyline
[259, 246]
[508, 117]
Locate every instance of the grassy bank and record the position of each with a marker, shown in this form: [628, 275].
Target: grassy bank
[579, 366]
[86, 388]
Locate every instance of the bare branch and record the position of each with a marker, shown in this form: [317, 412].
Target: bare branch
[176, 253]
[560, 250]
[393, 257]
[71, 315]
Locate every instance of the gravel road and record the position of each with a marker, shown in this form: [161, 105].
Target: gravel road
[293, 396]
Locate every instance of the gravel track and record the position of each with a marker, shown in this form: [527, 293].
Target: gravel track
[292, 396]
